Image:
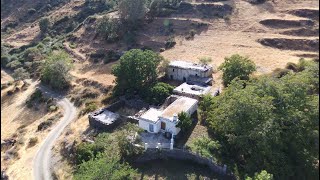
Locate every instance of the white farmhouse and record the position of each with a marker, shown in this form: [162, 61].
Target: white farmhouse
[186, 71]
[155, 120]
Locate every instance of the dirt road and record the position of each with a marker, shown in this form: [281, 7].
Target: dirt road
[42, 160]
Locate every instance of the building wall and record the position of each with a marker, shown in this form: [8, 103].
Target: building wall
[180, 74]
[145, 125]
[170, 126]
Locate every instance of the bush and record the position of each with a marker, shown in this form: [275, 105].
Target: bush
[5, 59]
[292, 66]
[191, 34]
[14, 65]
[44, 24]
[53, 108]
[279, 73]
[32, 141]
[89, 107]
[171, 42]
[20, 74]
[73, 45]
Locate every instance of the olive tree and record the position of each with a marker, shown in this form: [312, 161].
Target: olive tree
[236, 66]
[55, 70]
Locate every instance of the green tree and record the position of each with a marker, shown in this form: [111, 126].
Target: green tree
[136, 72]
[44, 24]
[132, 10]
[263, 175]
[105, 167]
[159, 92]
[109, 28]
[185, 122]
[270, 124]
[236, 66]
[204, 106]
[55, 70]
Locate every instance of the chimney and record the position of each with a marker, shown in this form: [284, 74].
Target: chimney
[175, 117]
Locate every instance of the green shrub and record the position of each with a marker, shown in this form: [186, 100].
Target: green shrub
[73, 45]
[191, 34]
[89, 107]
[279, 73]
[14, 64]
[44, 24]
[5, 59]
[32, 141]
[53, 108]
[292, 66]
[171, 42]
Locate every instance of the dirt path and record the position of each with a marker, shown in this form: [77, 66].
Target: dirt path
[42, 169]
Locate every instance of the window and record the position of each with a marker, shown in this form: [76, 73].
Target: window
[151, 128]
[184, 79]
[172, 70]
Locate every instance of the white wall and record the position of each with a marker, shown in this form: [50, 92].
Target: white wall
[145, 125]
[179, 74]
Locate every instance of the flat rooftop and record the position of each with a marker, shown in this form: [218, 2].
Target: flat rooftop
[106, 117]
[152, 115]
[179, 105]
[192, 89]
[189, 65]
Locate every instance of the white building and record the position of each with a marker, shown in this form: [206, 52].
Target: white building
[192, 90]
[183, 71]
[155, 120]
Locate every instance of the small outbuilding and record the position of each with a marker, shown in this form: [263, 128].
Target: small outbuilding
[156, 120]
[187, 71]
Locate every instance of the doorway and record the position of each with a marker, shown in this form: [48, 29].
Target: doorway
[163, 125]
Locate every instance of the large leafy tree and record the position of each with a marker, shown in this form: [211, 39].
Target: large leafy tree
[55, 70]
[270, 124]
[236, 66]
[136, 71]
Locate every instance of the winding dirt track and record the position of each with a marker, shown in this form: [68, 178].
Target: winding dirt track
[42, 160]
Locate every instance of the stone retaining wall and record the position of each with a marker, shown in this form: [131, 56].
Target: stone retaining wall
[179, 154]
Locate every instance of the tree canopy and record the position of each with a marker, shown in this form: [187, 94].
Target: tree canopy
[55, 70]
[185, 121]
[136, 72]
[236, 66]
[132, 11]
[271, 124]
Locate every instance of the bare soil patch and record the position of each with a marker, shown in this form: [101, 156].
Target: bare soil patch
[292, 44]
